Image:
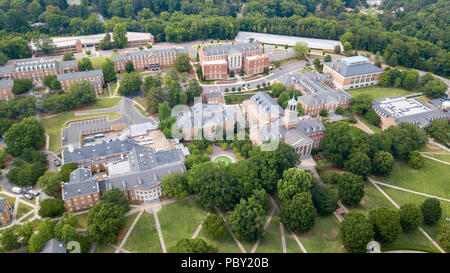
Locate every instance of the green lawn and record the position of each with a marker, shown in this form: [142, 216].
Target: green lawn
[444, 157]
[225, 244]
[222, 159]
[104, 249]
[22, 210]
[402, 197]
[82, 220]
[374, 128]
[372, 199]
[378, 92]
[291, 244]
[431, 179]
[323, 237]
[144, 237]
[106, 103]
[54, 124]
[271, 242]
[179, 221]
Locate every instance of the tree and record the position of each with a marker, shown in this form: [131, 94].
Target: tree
[214, 226]
[327, 58]
[9, 239]
[130, 84]
[51, 208]
[25, 231]
[247, 220]
[116, 197]
[356, 232]
[337, 49]
[416, 160]
[46, 45]
[195, 159]
[359, 163]
[410, 217]
[316, 62]
[382, 163]
[68, 56]
[120, 35]
[28, 133]
[347, 46]
[50, 183]
[109, 72]
[182, 63]
[129, 67]
[301, 49]
[372, 117]
[164, 111]
[351, 188]
[440, 130]
[361, 104]
[193, 246]
[42, 236]
[386, 224]
[15, 48]
[294, 181]
[194, 90]
[431, 211]
[66, 170]
[105, 220]
[21, 86]
[106, 43]
[324, 199]
[175, 186]
[435, 88]
[298, 214]
[405, 138]
[410, 80]
[85, 64]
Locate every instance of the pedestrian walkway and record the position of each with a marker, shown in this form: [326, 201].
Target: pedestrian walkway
[130, 230]
[266, 226]
[158, 228]
[241, 247]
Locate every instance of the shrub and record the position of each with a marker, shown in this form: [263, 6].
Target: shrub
[330, 177]
[431, 211]
[410, 217]
[51, 208]
[386, 224]
[372, 117]
[356, 232]
[324, 199]
[416, 160]
[214, 226]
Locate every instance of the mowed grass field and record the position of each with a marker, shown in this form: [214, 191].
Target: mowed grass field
[54, 125]
[179, 221]
[378, 92]
[432, 179]
[106, 103]
[144, 237]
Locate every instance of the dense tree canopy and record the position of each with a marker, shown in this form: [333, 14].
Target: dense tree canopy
[386, 224]
[298, 214]
[28, 133]
[294, 181]
[356, 232]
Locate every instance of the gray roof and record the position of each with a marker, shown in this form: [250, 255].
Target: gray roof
[209, 95]
[54, 246]
[2, 204]
[80, 75]
[98, 150]
[439, 102]
[350, 68]
[81, 183]
[265, 102]
[205, 115]
[35, 64]
[225, 49]
[6, 83]
[423, 119]
[326, 98]
[143, 54]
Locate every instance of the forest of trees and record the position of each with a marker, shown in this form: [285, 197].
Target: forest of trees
[417, 36]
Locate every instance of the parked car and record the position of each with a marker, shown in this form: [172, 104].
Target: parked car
[28, 196]
[16, 190]
[33, 192]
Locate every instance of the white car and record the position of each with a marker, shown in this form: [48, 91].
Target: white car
[16, 190]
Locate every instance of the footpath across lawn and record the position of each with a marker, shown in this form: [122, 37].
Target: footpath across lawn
[179, 221]
[144, 237]
[431, 179]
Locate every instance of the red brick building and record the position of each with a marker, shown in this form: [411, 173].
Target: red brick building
[82, 192]
[151, 59]
[6, 212]
[5, 89]
[218, 61]
[36, 70]
[95, 77]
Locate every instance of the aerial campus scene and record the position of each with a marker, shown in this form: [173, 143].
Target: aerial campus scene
[224, 126]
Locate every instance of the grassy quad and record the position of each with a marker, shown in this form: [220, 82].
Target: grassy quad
[323, 237]
[144, 237]
[429, 179]
[179, 221]
[402, 197]
[106, 103]
[54, 125]
[225, 244]
[378, 92]
[372, 199]
[22, 210]
[443, 157]
[271, 242]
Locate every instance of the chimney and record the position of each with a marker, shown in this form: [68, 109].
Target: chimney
[332, 65]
